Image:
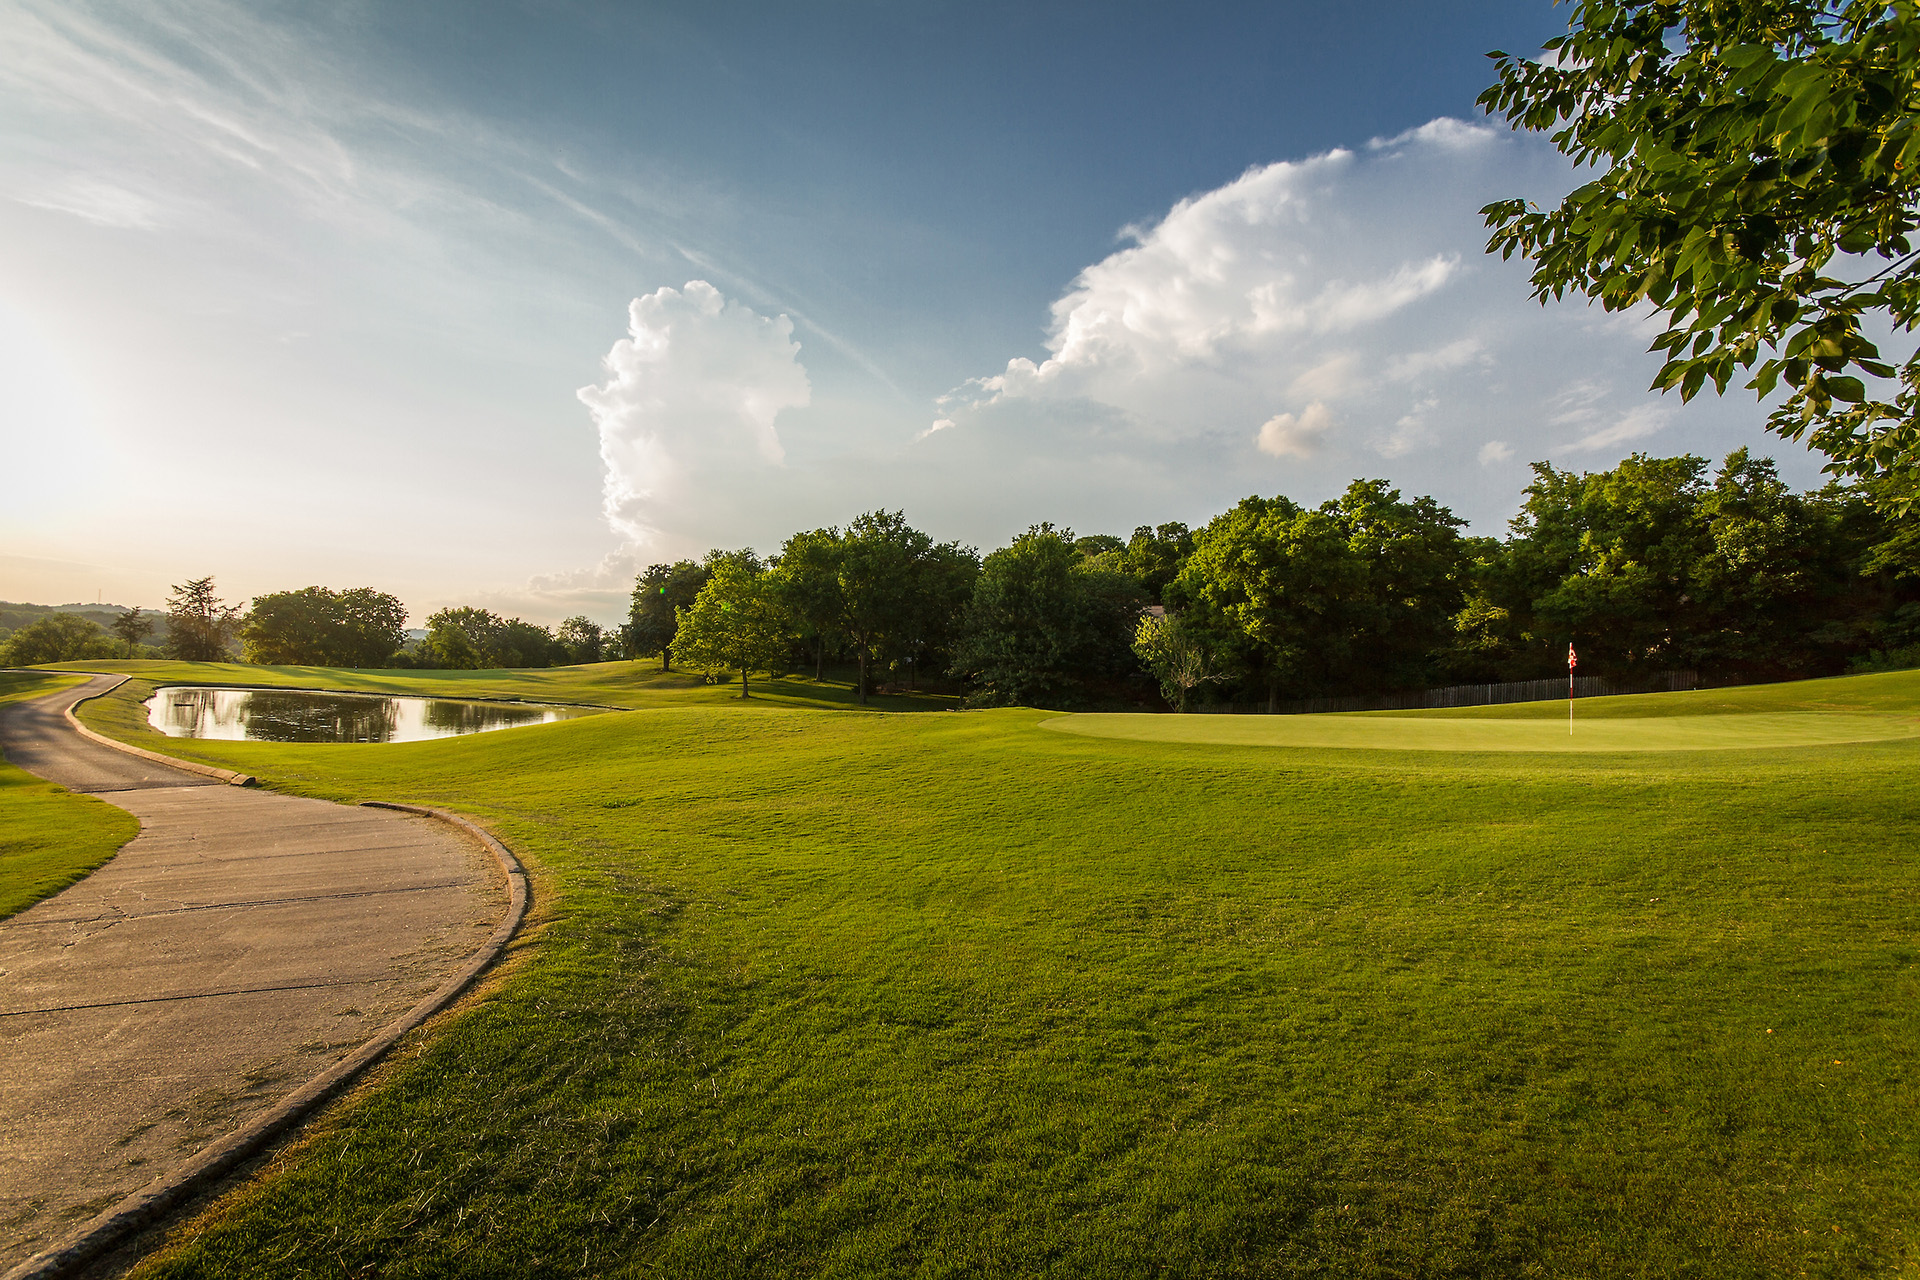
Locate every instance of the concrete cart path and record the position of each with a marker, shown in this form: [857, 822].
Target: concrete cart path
[243, 943]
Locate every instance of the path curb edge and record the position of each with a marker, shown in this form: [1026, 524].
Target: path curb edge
[157, 1199]
[172, 762]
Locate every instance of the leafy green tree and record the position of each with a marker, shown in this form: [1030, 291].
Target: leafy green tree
[739, 621]
[1487, 644]
[1758, 162]
[584, 639]
[468, 638]
[132, 626]
[1042, 626]
[1181, 656]
[1154, 555]
[450, 644]
[200, 625]
[317, 626]
[58, 637]
[1605, 560]
[808, 578]
[1778, 590]
[660, 595]
[1656, 564]
[1418, 569]
[289, 627]
[1285, 580]
[944, 577]
[372, 628]
[1098, 544]
[879, 555]
[519, 643]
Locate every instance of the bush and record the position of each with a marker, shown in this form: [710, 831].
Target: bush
[1902, 659]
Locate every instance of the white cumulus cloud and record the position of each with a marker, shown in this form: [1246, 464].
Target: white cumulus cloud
[1295, 435]
[1262, 269]
[1338, 312]
[690, 404]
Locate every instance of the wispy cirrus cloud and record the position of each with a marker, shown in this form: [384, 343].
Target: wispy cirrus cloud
[98, 201]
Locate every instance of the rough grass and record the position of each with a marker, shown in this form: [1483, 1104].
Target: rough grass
[843, 994]
[49, 837]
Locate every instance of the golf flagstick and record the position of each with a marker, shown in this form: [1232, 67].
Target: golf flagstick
[1573, 661]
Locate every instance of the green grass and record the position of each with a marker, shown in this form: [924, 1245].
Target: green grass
[49, 837]
[611, 684]
[1807, 713]
[855, 994]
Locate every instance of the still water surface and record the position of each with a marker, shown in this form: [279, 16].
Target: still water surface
[286, 715]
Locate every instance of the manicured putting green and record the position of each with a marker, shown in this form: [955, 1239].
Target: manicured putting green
[1433, 733]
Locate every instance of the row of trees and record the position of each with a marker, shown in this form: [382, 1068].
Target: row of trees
[65, 637]
[69, 637]
[314, 626]
[199, 627]
[879, 591]
[466, 639]
[362, 627]
[1658, 563]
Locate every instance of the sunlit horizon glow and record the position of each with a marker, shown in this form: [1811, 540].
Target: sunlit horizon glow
[299, 297]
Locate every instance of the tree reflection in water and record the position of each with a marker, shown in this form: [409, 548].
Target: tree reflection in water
[477, 717]
[278, 715]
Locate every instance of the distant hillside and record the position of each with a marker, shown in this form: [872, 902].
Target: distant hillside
[14, 615]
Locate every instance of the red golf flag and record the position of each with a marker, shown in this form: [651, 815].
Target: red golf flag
[1572, 659]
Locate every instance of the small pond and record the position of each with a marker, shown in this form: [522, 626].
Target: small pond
[291, 715]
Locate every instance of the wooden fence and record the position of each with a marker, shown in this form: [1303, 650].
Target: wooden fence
[1463, 695]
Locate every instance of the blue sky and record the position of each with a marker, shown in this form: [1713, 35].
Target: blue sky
[495, 303]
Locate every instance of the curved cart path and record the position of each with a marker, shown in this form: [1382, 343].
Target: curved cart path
[242, 944]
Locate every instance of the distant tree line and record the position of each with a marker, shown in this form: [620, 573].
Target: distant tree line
[1658, 563]
[467, 638]
[313, 626]
[75, 634]
[1655, 564]
[362, 627]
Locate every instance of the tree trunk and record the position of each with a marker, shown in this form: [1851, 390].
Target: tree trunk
[666, 659]
[743, 682]
[1273, 697]
[863, 675]
[820, 660]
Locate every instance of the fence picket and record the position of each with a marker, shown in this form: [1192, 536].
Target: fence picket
[1465, 695]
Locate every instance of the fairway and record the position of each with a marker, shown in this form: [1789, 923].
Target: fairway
[831, 992]
[1418, 733]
